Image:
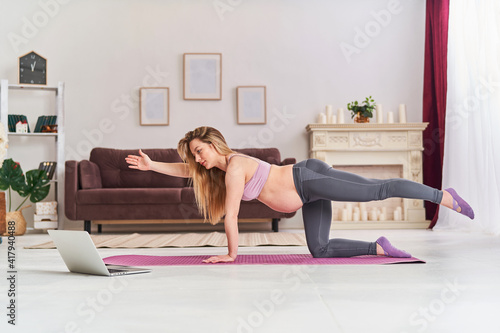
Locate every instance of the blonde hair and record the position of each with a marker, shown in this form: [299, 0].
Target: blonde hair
[209, 185]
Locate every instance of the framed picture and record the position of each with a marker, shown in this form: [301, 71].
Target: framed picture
[154, 106]
[202, 76]
[251, 103]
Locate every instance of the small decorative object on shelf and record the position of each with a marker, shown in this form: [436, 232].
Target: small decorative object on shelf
[32, 69]
[46, 215]
[14, 120]
[34, 186]
[362, 113]
[22, 127]
[49, 168]
[49, 129]
[46, 124]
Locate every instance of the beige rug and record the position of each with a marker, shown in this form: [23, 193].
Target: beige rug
[188, 240]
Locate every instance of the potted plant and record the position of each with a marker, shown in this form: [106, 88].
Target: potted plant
[362, 113]
[34, 186]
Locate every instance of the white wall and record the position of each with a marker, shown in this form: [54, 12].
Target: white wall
[106, 50]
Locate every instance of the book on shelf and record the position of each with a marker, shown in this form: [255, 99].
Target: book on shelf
[49, 168]
[13, 119]
[43, 121]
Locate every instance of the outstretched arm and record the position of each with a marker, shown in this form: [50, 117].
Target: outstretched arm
[144, 163]
[235, 184]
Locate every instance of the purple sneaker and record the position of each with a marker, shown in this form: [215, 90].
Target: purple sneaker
[390, 250]
[458, 202]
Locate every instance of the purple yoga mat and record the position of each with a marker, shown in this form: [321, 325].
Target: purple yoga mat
[259, 259]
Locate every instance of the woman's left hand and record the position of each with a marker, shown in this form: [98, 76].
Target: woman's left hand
[216, 259]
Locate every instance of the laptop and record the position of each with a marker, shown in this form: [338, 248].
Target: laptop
[80, 255]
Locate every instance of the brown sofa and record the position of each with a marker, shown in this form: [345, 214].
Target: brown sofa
[103, 189]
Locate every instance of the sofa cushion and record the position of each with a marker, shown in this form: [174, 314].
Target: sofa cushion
[115, 171]
[129, 196]
[90, 176]
[269, 155]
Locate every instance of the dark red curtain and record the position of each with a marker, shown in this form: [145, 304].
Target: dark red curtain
[434, 103]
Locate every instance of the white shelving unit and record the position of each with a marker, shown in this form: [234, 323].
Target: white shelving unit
[58, 137]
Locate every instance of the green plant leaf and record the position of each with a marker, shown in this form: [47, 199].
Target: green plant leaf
[37, 185]
[11, 175]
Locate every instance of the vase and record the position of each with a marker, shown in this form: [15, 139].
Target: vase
[19, 222]
[361, 119]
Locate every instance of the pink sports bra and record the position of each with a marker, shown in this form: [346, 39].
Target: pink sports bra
[256, 183]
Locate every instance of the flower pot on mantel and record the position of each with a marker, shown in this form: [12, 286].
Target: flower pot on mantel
[360, 119]
[19, 222]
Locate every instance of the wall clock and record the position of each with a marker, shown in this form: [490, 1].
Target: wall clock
[32, 69]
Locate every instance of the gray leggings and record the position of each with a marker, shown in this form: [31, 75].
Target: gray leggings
[318, 184]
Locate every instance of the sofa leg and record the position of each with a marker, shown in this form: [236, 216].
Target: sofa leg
[99, 228]
[87, 226]
[274, 225]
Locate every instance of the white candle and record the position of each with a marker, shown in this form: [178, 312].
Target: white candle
[322, 118]
[402, 113]
[381, 217]
[397, 216]
[390, 117]
[329, 110]
[373, 215]
[340, 116]
[362, 206]
[344, 214]
[333, 119]
[349, 211]
[380, 115]
[364, 215]
[355, 216]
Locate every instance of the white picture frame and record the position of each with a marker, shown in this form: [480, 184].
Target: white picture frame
[202, 76]
[154, 105]
[251, 105]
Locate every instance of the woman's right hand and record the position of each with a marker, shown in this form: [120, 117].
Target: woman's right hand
[142, 162]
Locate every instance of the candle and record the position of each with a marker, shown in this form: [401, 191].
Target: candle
[329, 114]
[333, 119]
[364, 215]
[340, 116]
[349, 211]
[355, 216]
[373, 215]
[329, 110]
[322, 118]
[402, 113]
[380, 115]
[381, 217]
[362, 206]
[390, 117]
[344, 214]
[397, 215]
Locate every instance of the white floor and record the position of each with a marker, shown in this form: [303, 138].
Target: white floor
[457, 290]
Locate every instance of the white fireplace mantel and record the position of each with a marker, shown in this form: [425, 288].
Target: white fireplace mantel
[373, 144]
